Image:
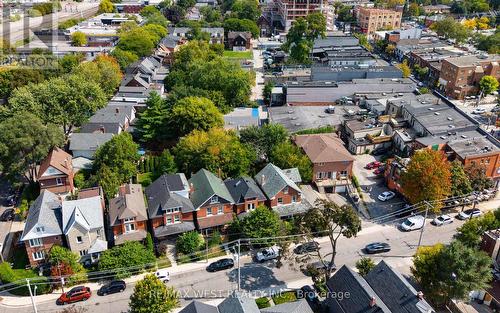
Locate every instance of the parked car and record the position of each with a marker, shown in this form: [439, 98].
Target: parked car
[307, 247]
[478, 111]
[379, 171]
[496, 109]
[372, 165]
[380, 151]
[80, 293]
[442, 220]
[163, 275]
[267, 254]
[219, 265]
[8, 215]
[307, 292]
[10, 200]
[386, 195]
[377, 247]
[112, 287]
[470, 213]
[413, 223]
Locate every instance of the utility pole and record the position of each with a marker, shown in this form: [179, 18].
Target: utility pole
[206, 244]
[60, 276]
[427, 205]
[31, 295]
[239, 271]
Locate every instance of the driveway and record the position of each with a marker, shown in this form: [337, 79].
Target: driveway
[258, 66]
[373, 185]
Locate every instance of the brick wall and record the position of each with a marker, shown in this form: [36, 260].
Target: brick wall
[286, 197]
[47, 243]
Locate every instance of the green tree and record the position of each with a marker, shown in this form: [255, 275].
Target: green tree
[167, 163]
[246, 9]
[24, 142]
[477, 177]
[451, 29]
[414, 9]
[78, 39]
[331, 220]
[364, 266]
[131, 254]
[151, 124]
[189, 242]
[149, 11]
[460, 184]
[124, 58]
[344, 14]
[471, 231]
[138, 41]
[193, 113]
[242, 25]
[149, 242]
[266, 93]
[461, 270]
[301, 36]
[288, 155]
[107, 179]
[264, 139]
[65, 262]
[217, 150]
[405, 69]
[488, 84]
[151, 295]
[427, 177]
[106, 6]
[389, 49]
[104, 70]
[262, 223]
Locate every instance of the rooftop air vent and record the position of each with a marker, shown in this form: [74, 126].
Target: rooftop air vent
[436, 113]
[449, 118]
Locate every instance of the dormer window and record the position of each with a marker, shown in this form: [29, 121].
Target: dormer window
[285, 190]
[40, 229]
[128, 220]
[214, 199]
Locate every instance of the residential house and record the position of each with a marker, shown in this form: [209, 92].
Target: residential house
[212, 202]
[332, 163]
[264, 26]
[280, 187]
[128, 214]
[83, 226]
[169, 209]
[85, 144]
[382, 290]
[56, 172]
[92, 192]
[245, 193]
[110, 119]
[239, 41]
[42, 229]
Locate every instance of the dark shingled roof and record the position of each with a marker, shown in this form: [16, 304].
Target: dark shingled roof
[199, 307]
[238, 303]
[244, 188]
[162, 194]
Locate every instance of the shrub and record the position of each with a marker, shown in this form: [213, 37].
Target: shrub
[215, 240]
[18, 279]
[284, 297]
[263, 302]
[127, 258]
[189, 242]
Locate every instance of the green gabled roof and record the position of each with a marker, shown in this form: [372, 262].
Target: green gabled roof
[205, 186]
[272, 180]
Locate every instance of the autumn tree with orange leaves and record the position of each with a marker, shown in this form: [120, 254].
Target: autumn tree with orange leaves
[428, 177]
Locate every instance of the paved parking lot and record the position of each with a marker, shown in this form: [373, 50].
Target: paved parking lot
[373, 185]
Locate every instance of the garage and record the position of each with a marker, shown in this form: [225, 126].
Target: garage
[339, 189]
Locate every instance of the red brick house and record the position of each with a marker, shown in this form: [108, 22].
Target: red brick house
[239, 41]
[212, 202]
[56, 172]
[169, 209]
[127, 214]
[246, 194]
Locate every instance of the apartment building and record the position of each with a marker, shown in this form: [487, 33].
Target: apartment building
[288, 11]
[460, 76]
[373, 19]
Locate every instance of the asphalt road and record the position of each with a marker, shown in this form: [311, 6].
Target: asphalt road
[201, 284]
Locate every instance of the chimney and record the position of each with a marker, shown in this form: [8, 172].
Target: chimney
[66, 163]
[373, 302]
[420, 295]
[191, 188]
[101, 129]
[262, 180]
[117, 110]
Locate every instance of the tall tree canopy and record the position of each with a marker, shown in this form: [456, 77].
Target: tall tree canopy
[151, 124]
[427, 177]
[193, 113]
[288, 155]
[24, 142]
[264, 139]
[152, 295]
[259, 224]
[460, 184]
[477, 177]
[301, 36]
[216, 150]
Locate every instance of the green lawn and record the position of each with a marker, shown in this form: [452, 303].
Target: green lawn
[145, 179]
[238, 54]
[284, 297]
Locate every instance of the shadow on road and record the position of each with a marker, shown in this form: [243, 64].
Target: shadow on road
[255, 277]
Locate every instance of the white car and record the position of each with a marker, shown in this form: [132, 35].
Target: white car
[267, 254]
[442, 220]
[467, 214]
[478, 111]
[163, 276]
[413, 223]
[386, 195]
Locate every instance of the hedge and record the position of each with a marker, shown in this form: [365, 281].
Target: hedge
[17, 280]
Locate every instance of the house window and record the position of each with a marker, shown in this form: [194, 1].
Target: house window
[280, 200]
[214, 199]
[250, 206]
[294, 198]
[59, 181]
[83, 252]
[98, 233]
[130, 227]
[79, 239]
[487, 161]
[219, 210]
[285, 190]
[169, 220]
[343, 173]
[128, 220]
[177, 219]
[39, 255]
[209, 211]
[37, 242]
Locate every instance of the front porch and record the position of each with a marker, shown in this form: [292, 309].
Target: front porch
[330, 185]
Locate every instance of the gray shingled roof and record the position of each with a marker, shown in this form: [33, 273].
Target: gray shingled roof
[238, 303]
[272, 180]
[172, 229]
[87, 212]
[199, 307]
[395, 290]
[88, 141]
[162, 194]
[44, 212]
[206, 185]
[299, 306]
[244, 188]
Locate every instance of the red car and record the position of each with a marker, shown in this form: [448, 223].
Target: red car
[80, 293]
[373, 165]
[379, 171]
